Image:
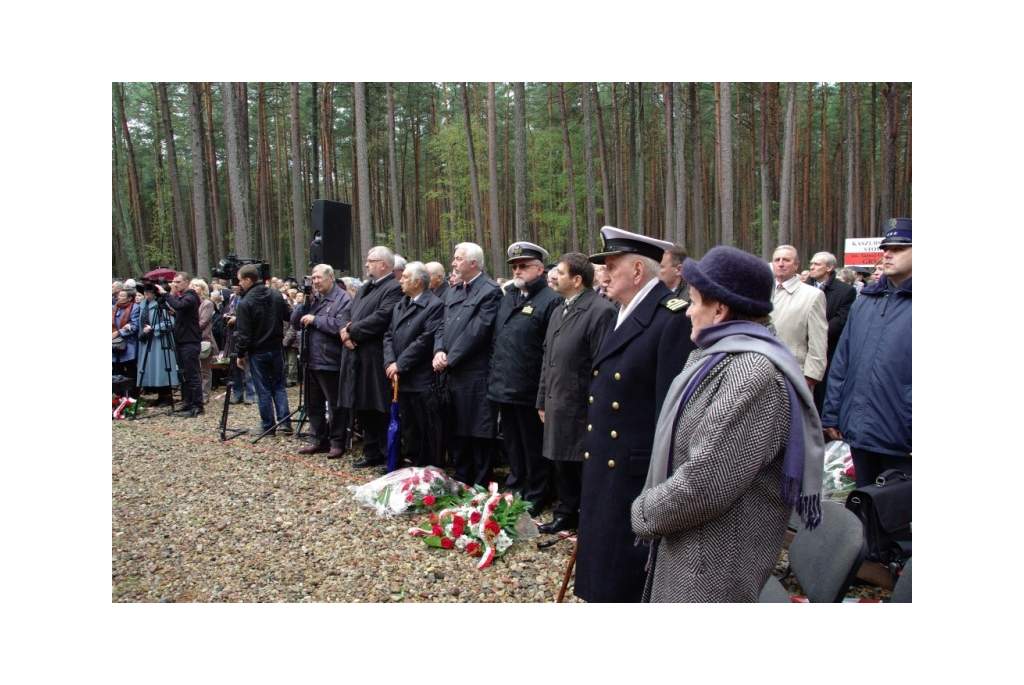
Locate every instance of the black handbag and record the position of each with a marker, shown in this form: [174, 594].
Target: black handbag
[118, 344]
[886, 510]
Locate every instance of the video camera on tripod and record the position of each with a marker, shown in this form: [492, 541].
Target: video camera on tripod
[228, 268]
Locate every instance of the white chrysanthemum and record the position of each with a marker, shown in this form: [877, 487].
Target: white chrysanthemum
[502, 542]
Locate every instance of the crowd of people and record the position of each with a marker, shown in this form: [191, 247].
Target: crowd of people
[672, 411]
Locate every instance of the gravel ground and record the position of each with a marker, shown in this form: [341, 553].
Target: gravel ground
[199, 520]
[195, 519]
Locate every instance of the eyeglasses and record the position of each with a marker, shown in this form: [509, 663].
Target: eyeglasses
[518, 265]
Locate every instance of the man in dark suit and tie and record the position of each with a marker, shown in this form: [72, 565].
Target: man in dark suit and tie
[839, 298]
[462, 348]
[363, 386]
[408, 353]
[640, 355]
[571, 343]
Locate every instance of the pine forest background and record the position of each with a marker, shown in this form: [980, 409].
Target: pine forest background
[201, 170]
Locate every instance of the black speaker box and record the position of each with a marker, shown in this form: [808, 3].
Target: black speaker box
[334, 221]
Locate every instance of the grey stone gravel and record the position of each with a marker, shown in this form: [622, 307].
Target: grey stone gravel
[195, 519]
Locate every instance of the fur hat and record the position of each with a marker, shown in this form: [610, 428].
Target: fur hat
[734, 278]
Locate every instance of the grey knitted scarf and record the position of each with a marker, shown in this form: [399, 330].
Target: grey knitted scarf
[803, 461]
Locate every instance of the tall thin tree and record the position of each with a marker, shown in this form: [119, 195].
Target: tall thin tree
[298, 202]
[396, 209]
[679, 133]
[669, 167]
[202, 226]
[243, 246]
[588, 161]
[522, 197]
[574, 232]
[785, 199]
[478, 212]
[492, 174]
[362, 171]
[181, 226]
[725, 99]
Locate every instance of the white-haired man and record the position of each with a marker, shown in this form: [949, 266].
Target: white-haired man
[364, 387]
[462, 349]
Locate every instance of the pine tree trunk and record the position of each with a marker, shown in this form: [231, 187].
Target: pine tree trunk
[180, 224]
[314, 167]
[134, 190]
[825, 182]
[263, 192]
[588, 162]
[202, 226]
[679, 132]
[669, 166]
[698, 189]
[396, 209]
[907, 176]
[299, 239]
[492, 174]
[522, 199]
[478, 210]
[602, 152]
[574, 233]
[807, 157]
[243, 246]
[125, 255]
[851, 165]
[726, 152]
[620, 190]
[785, 199]
[220, 243]
[362, 172]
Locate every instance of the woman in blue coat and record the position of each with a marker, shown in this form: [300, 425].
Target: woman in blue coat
[124, 324]
[157, 366]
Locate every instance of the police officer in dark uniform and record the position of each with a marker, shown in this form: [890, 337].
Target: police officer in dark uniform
[638, 359]
[514, 375]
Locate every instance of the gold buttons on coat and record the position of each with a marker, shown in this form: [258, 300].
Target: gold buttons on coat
[611, 463]
[586, 455]
[591, 399]
[618, 377]
[595, 372]
[615, 405]
[614, 435]
[590, 427]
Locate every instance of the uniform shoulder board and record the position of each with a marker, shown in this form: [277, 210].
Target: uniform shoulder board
[675, 303]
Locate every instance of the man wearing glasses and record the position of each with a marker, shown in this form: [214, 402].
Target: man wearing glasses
[364, 388]
[514, 377]
[184, 305]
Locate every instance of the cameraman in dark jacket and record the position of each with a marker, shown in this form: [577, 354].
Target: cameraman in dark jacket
[259, 338]
[184, 303]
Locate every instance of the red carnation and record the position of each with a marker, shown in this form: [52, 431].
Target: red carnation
[433, 518]
[492, 527]
[447, 543]
[436, 530]
[475, 517]
[458, 529]
[473, 549]
[429, 500]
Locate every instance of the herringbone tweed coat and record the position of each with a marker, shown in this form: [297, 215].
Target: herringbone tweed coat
[720, 516]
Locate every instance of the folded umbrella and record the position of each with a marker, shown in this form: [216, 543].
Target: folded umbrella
[394, 431]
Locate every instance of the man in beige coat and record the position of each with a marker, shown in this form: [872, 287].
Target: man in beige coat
[798, 315]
